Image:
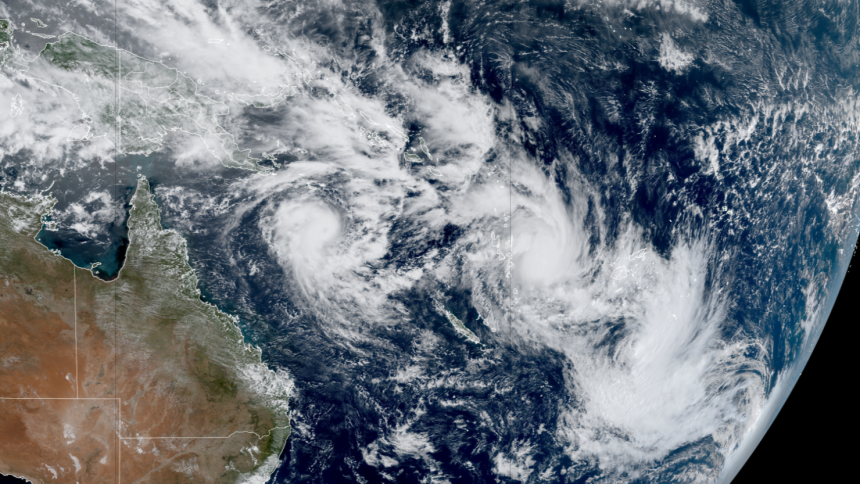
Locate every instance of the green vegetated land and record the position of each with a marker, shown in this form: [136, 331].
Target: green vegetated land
[5, 40]
[142, 99]
[5, 31]
[157, 282]
[461, 328]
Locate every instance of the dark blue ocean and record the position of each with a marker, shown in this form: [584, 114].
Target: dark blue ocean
[543, 60]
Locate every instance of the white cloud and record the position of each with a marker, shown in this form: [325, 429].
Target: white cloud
[646, 389]
[91, 214]
[695, 9]
[672, 58]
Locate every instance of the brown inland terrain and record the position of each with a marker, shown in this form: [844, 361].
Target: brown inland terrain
[130, 381]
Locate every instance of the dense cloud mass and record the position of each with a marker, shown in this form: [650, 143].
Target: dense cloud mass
[489, 241]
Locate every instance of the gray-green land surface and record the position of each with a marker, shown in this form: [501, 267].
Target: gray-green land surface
[186, 385]
[129, 101]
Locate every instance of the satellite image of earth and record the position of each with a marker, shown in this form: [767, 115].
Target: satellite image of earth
[416, 241]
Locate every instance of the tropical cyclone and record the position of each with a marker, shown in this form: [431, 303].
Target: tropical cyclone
[136, 380]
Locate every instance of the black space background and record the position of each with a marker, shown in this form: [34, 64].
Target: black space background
[813, 439]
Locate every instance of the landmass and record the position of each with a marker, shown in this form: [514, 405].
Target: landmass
[133, 380]
[5, 40]
[460, 327]
[126, 99]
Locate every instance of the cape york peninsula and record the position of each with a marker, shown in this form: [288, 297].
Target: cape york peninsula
[136, 380]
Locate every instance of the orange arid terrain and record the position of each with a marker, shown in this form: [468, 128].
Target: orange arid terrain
[132, 381]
